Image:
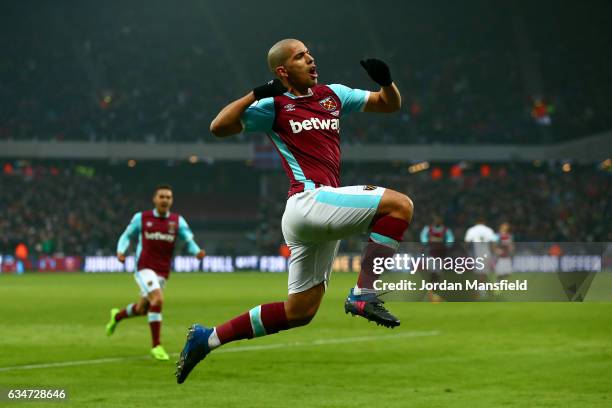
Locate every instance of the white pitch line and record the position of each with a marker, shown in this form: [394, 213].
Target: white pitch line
[344, 340]
[323, 342]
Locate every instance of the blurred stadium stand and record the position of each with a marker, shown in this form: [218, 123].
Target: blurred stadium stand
[79, 208]
[473, 73]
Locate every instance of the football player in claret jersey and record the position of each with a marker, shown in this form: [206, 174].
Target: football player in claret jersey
[302, 119]
[157, 231]
[439, 239]
[504, 249]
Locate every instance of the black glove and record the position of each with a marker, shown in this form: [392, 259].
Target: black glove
[378, 71]
[272, 88]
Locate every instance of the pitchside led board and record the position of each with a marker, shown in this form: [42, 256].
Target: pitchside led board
[546, 271]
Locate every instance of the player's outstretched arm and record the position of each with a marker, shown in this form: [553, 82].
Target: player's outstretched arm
[228, 121]
[388, 99]
[185, 233]
[132, 230]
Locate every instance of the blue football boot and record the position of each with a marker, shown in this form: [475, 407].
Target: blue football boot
[195, 350]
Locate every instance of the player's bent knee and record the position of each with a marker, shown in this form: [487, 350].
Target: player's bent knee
[157, 302]
[402, 207]
[396, 205]
[141, 308]
[407, 207]
[156, 299]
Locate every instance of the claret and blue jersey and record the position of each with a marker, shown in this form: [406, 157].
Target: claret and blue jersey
[156, 239]
[306, 131]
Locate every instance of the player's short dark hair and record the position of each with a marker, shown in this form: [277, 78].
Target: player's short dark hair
[162, 187]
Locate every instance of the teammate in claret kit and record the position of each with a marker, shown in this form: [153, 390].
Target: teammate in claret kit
[302, 119]
[157, 231]
[504, 250]
[438, 238]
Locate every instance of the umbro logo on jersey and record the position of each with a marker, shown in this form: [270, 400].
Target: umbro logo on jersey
[289, 107]
[328, 103]
[149, 224]
[314, 123]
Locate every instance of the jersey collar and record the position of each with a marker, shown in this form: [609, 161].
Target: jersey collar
[156, 214]
[292, 96]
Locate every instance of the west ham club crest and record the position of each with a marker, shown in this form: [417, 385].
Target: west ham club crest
[329, 104]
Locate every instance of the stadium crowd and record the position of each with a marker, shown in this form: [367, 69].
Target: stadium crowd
[68, 210]
[116, 74]
[77, 209]
[541, 203]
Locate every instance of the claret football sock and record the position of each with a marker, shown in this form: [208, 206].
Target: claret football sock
[155, 320]
[124, 313]
[260, 321]
[386, 234]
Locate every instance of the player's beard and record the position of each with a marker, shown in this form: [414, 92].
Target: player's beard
[303, 82]
[303, 77]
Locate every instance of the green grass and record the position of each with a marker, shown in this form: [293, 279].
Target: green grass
[483, 355]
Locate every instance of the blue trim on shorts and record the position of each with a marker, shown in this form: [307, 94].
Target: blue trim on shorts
[384, 240]
[348, 200]
[256, 323]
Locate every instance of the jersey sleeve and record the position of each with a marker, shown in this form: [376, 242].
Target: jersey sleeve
[131, 231]
[259, 116]
[352, 100]
[424, 235]
[450, 237]
[186, 235]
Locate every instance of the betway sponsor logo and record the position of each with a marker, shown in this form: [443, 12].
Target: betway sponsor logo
[314, 123]
[159, 236]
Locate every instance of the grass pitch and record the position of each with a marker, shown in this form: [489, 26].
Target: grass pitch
[443, 355]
